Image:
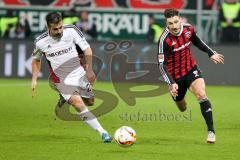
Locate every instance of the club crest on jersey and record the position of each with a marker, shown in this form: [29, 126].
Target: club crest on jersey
[188, 34]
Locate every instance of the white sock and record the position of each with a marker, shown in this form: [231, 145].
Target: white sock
[92, 121]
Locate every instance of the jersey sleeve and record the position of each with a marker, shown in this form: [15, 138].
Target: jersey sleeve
[162, 61]
[198, 42]
[79, 38]
[37, 52]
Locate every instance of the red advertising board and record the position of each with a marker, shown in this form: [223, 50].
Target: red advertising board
[134, 4]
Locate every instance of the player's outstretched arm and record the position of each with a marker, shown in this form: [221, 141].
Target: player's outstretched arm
[36, 65]
[89, 71]
[214, 56]
[217, 58]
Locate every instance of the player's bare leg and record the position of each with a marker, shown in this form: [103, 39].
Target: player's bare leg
[182, 105]
[88, 101]
[77, 102]
[198, 89]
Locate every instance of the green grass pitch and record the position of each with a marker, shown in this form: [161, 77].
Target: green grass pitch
[30, 130]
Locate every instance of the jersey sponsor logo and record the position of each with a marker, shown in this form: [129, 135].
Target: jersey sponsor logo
[182, 47]
[58, 53]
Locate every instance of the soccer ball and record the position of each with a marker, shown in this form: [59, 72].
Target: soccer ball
[125, 136]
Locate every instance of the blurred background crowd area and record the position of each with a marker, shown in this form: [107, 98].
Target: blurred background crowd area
[216, 21]
[131, 27]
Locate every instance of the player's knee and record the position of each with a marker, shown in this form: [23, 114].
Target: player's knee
[77, 103]
[201, 95]
[182, 109]
[182, 105]
[88, 101]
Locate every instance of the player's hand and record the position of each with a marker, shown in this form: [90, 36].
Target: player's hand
[217, 58]
[90, 76]
[174, 89]
[34, 84]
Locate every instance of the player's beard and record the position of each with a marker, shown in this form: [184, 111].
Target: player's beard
[58, 35]
[55, 35]
[175, 31]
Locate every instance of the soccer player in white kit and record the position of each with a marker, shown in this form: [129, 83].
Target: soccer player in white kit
[58, 45]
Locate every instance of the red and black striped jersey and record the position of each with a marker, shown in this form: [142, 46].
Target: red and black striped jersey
[174, 55]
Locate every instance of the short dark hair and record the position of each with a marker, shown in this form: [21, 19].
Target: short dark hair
[53, 18]
[171, 12]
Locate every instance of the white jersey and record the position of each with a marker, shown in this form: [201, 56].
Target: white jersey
[61, 54]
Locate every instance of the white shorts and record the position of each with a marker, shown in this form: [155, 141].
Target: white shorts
[75, 86]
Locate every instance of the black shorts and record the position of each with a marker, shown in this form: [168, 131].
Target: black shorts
[185, 82]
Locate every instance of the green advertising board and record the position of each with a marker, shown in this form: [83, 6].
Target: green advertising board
[119, 24]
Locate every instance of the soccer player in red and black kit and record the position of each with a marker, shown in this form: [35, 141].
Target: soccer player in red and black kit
[179, 68]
